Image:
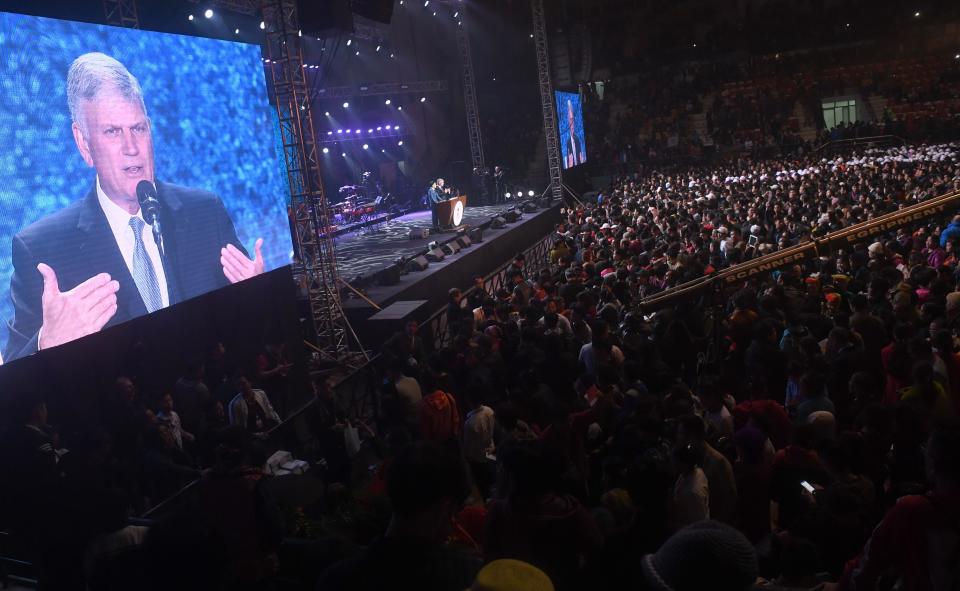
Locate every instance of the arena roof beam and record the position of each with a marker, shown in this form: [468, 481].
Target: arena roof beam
[382, 88]
[122, 13]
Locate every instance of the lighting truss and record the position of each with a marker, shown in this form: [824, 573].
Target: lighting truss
[547, 106]
[336, 340]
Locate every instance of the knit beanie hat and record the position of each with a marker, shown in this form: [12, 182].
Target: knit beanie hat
[511, 575]
[703, 555]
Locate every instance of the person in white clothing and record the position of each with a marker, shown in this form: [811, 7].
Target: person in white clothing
[172, 419]
[691, 492]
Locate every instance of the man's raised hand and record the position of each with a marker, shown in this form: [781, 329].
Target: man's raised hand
[83, 310]
[236, 265]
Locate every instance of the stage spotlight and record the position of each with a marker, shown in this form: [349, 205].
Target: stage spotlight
[379, 128]
[369, 131]
[190, 17]
[236, 31]
[507, 194]
[423, 99]
[456, 14]
[386, 102]
[434, 13]
[263, 25]
[916, 14]
[346, 105]
[357, 52]
[530, 193]
[366, 146]
[327, 113]
[339, 131]
[391, 56]
[378, 48]
[344, 154]
[382, 150]
[299, 32]
[389, 128]
[399, 108]
[349, 41]
[326, 150]
[396, 127]
[349, 131]
[357, 131]
[426, 3]
[208, 13]
[400, 143]
[329, 133]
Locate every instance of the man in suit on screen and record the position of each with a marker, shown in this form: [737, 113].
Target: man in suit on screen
[95, 263]
[575, 154]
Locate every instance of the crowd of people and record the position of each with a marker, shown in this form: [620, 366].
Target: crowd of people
[801, 432]
[70, 492]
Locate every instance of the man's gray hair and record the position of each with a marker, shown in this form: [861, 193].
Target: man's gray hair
[87, 77]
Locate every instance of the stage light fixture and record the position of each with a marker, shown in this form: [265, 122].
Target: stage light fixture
[391, 56]
[349, 41]
[329, 133]
[327, 113]
[208, 13]
[369, 131]
[389, 128]
[530, 193]
[386, 102]
[344, 154]
[357, 52]
[423, 99]
[382, 150]
[263, 25]
[299, 32]
[426, 3]
[399, 108]
[378, 48]
[916, 14]
[339, 131]
[357, 131]
[349, 131]
[346, 105]
[456, 14]
[396, 127]
[326, 150]
[190, 17]
[400, 143]
[434, 13]
[459, 23]
[507, 194]
[236, 31]
[366, 146]
[379, 128]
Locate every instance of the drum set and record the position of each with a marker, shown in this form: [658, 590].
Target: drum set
[354, 205]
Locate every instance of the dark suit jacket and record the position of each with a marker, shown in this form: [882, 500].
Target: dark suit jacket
[77, 243]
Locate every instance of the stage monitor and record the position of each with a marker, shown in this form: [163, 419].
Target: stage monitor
[95, 120]
[573, 145]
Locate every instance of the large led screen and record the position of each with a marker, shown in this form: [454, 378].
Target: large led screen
[573, 145]
[89, 115]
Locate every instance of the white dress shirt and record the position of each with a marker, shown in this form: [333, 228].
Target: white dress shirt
[119, 220]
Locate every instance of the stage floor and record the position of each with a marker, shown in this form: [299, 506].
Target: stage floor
[365, 251]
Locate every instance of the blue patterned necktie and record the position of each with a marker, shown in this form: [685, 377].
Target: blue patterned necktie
[143, 274]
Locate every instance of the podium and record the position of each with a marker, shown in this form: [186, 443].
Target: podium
[450, 212]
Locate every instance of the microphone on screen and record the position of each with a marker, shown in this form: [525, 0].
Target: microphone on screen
[150, 206]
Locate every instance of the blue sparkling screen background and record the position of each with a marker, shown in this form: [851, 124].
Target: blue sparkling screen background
[212, 124]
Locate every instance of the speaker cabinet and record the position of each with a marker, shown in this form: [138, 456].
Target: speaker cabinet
[436, 255]
[419, 263]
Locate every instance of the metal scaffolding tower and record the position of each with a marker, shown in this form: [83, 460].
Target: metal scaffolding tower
[336, 341]
[122, 13]
[470, 96]
[547, 105]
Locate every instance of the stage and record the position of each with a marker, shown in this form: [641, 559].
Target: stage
[374, 252]
[364, 251]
